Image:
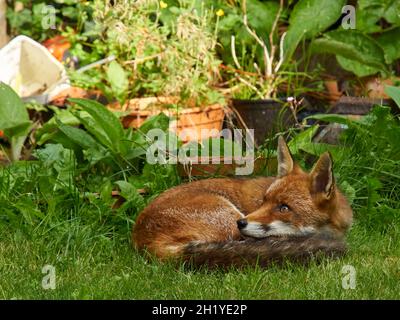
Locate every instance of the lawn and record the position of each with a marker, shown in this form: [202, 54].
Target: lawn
[57, 211]
[82, 153]
[90, 264]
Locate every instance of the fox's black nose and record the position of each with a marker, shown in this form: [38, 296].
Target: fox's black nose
[242, 223]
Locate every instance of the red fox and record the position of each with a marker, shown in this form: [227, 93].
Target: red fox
[232, 222]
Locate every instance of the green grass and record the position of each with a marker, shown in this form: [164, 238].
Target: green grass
[92, 265]
[57, 211]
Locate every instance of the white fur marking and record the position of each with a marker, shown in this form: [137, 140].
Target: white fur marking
[254, 230]
[280, 228]
[277, 228]
[308, 229]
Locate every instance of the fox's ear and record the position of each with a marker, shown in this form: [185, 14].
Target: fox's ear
[285, 161]
[322, 177]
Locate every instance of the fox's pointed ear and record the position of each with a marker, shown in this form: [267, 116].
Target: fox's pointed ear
[322, 177]
[285, 160]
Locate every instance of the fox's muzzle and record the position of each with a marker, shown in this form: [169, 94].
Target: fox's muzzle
[242, 223]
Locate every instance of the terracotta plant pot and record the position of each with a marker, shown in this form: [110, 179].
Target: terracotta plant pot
[194, 119]
[333, 91]
[75, 92]
[376, 87]
[261, 165]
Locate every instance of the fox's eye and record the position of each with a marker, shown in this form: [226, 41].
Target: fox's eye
[283, 208]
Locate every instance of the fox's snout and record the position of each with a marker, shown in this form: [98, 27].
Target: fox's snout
[252, 229]
[242, 223]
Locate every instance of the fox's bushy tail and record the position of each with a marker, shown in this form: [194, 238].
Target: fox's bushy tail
[263, 252]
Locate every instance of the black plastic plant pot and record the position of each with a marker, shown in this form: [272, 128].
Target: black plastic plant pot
[266, 117]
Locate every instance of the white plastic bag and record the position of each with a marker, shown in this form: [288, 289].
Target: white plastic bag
[31, 70]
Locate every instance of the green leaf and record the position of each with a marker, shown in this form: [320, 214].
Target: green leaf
[78, 136]
[302, 139]
[160, 121]
[261, 16]
[303, 142]
[61, 160]
[390, 42]
[50, 127]
[28, 209]
[130, 193]
[96, 131]
[118, 79]
[369, 12]
[308, 19]
[14, 119]
[358, 68]
[105, 119]
[394, 93]
[332, 118]
[355, 46]
[12, 109]
[18, 135]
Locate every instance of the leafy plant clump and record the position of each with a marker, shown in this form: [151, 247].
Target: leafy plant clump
[77, 170]
[371, 45]
[259, 40]
[159, 51]
[41, 20]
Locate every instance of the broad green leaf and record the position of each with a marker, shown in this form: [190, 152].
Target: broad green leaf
[28, 209]
[390, 42]
[59, 137]
[44, 133]
[117, 78]
[353, 45]
[14, 119]
[369, 12]
[358, 68]
[367, 18]
[129, 192]
[78, 136]
[261, 16]
[105, 119]
[394, 93]
[308, 19]
[91, 126]
[12, 109]
[17, 136]
[302, 139]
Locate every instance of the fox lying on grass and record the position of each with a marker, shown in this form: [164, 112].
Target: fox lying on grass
[234, 222]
